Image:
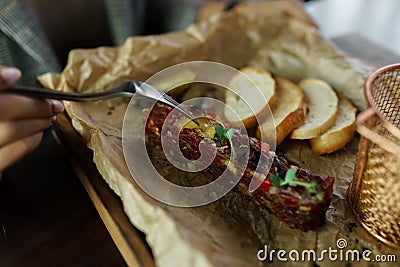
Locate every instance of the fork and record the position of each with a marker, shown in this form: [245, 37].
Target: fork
[126, 89]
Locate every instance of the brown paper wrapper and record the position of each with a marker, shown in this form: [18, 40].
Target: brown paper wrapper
[276, 35]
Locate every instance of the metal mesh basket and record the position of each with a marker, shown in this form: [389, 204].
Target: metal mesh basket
[374, 193]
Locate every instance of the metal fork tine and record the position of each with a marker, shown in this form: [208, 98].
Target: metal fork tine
[175, 104]
[126, 89]
[152, 92]
[170, 99]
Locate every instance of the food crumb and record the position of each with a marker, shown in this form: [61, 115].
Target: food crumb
[352, 226]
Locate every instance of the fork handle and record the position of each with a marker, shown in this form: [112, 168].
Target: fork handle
[37, 92]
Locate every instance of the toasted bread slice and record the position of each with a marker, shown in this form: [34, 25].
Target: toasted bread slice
[289, 112]
[247, 114]
[200, 89]
[175, 83]
[340, 133]
[206, 93]
[322, 106]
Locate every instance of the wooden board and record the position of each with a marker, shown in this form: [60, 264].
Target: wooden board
[130, 241]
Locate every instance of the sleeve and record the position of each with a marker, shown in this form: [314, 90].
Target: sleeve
[23, 43]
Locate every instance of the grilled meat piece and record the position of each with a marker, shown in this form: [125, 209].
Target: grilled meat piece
[300, 200]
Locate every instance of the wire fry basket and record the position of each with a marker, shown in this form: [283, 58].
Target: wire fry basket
[374, 193]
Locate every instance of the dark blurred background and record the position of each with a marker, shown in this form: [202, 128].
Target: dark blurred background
[91, 23]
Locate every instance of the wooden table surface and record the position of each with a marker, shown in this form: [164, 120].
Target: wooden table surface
[47, 218]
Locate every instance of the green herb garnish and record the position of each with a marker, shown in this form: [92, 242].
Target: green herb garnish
[223, 134]
[290, 180]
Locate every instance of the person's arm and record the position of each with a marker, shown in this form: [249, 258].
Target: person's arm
[22, 120]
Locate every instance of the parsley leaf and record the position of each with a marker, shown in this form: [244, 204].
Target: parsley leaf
[230, 133]
[290, 175]
[275, 179]
[289, 179]
[220, 130]
[223, 134]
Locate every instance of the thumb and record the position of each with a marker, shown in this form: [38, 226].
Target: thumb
[8, 75]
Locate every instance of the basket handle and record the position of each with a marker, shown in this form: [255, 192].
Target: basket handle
[375, 137]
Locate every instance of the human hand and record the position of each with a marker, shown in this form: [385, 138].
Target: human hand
[22, 120]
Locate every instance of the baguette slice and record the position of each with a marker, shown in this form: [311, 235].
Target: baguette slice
[243, 87]
[289, 112]
[322, 105]
[175, 83]
[341, 132]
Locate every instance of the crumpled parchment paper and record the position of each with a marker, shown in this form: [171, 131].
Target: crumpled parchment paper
[276, 35]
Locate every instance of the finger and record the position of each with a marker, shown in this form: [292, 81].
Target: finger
[8, 75]
[14, 107]
[16, 150]
[30, 108]
[11, 131]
